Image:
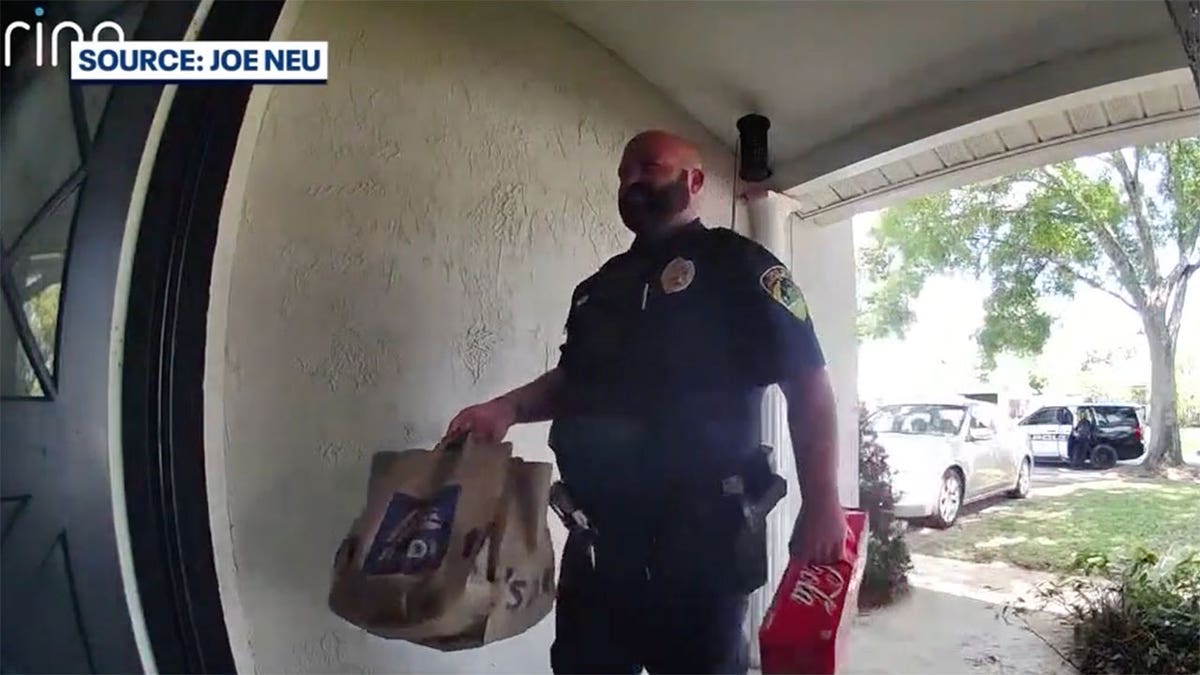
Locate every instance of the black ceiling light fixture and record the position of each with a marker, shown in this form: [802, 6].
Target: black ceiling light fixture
[752, 139]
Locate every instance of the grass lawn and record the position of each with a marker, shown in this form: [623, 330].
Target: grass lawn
[1047, 533]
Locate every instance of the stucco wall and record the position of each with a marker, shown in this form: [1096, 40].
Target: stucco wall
[407, 244]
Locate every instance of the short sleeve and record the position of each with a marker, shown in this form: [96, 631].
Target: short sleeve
[568, 352]
[776, 334]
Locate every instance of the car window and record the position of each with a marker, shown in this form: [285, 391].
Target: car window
[1115, 416]
[1043, 416]
[923, 419]
[982, 418]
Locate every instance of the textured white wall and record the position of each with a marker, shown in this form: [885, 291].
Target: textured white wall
[407, 244]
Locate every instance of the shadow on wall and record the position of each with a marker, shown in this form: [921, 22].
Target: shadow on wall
[409, 240]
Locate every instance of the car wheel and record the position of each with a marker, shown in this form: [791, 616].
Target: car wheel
[1104, 457]
[1024, 480]
[949, 500]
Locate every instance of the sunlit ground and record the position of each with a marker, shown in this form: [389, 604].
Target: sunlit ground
[1190, 439]
[1111, 517]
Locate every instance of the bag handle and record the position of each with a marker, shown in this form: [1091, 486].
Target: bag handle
[447, 453]
[452, 442]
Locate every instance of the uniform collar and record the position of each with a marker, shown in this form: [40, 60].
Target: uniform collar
[642, 244]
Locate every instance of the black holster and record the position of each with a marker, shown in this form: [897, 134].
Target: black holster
[716, 540]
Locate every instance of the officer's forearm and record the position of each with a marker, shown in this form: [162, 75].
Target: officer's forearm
[812, 421]
[539, 400]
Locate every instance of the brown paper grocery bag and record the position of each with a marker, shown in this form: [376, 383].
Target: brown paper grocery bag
[503, 583]
[525, 567]
[518, 563]
[408, 556]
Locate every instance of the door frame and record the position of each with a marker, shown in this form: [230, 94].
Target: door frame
[163, 370]
[76, 415]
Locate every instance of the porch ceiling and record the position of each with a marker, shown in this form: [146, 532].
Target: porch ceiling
[846, 81]
[1143, 110]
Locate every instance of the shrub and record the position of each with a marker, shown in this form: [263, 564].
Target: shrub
[1189, 409]
[886, 575]
[1143, 617]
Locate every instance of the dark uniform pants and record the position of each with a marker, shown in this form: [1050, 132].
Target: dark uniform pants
[1079, 449]
[612, 621]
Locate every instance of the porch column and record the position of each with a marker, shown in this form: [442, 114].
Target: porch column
[768, 216]
[823, 265]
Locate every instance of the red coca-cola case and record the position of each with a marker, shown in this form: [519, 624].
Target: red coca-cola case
[805, 629]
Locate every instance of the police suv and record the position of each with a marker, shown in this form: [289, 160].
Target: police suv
[1119, 433]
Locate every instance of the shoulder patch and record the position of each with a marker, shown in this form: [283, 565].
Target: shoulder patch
[777, 282]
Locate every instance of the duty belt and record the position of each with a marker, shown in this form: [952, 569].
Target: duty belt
[572, 517]
[771, 489]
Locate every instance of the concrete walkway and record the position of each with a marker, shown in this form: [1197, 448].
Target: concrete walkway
[952, 620]
[951, 623]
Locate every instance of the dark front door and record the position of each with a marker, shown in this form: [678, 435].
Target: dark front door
[69, 158]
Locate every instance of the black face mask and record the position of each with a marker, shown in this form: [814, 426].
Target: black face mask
[647, 209]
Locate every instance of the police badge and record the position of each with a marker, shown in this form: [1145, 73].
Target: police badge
[678, 275]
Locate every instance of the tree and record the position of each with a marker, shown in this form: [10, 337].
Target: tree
[1128, 228]
[1037, 383]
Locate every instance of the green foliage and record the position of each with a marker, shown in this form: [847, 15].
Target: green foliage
[1037, 383]
[1013, 322]
[42, 313]
[1187, 375]
[1182, 188]
[1189, 410]
[1127, 226]
[1139, 617]
[1039, 233]
[886, 575]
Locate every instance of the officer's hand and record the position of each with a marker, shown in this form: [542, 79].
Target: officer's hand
[489, 422]
[819, 535]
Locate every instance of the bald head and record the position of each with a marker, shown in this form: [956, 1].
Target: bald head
[665, 146]
[661, 179]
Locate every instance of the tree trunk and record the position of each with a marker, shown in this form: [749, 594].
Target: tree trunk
[1165, 448]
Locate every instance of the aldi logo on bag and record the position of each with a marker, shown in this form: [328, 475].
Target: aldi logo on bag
[414, 534]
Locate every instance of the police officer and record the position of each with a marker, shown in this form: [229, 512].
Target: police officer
[1079, 443]
[655, 405]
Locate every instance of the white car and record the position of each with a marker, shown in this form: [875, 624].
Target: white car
[949, 452]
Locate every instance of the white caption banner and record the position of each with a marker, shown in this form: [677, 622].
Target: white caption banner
[189, 61]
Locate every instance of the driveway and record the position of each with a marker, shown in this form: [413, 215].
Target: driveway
[1060, 475]
[952, 622]
[1048, 481]
[1055, 481]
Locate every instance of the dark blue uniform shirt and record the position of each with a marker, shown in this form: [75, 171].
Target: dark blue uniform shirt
[668, 350]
